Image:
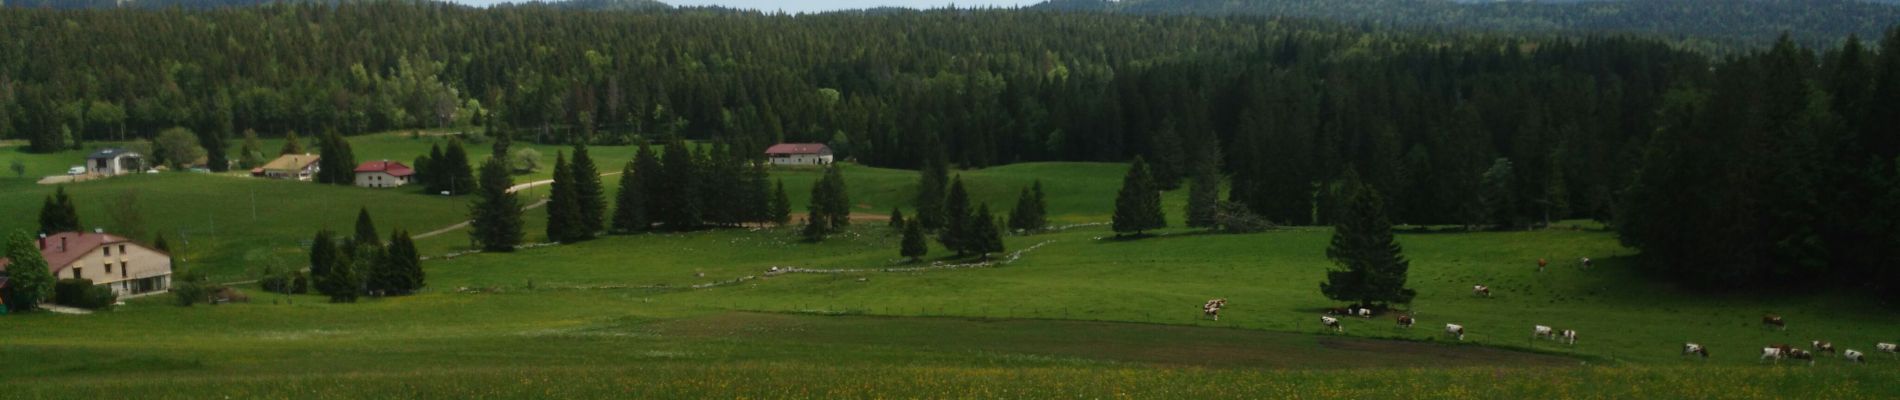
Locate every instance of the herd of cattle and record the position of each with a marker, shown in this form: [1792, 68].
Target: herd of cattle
[1776, 353]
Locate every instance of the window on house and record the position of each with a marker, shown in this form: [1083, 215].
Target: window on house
[108, 251]
[108, 268]
[76, 273]
[122, 249]
[123, 271]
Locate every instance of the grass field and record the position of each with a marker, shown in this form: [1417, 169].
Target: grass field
[1076, 314]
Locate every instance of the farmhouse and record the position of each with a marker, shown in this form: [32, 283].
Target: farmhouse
[799, 154]
[130, 269]
[289, 166]
[383, 174]
[114, 161]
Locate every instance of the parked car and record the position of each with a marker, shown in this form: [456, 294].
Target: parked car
[76, 170]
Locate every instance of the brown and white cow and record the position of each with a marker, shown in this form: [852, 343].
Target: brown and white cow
[1569, 337]
[1854, 355]
[1800, 354]
[1455, 330]
[1332, 323]
[1211, 309]
[1541, 332]
[1362, 312]
[1772, 353]
[1773, 321]
[1697, 349]
[1405, 321]
[1888, 348]
[1481, 290]
[1822, 346]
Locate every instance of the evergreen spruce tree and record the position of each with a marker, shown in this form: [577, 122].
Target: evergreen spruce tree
[291, 145]
[781, 205]
[758, 192]
[458, 175]
[956, 219]
[216, 128]
[366, 229]
[818, 219]
[400, 269]
[897, 218]
[630, 208]
[58, 214]
[986, 236]
[338, 162]
[1138, 205]
[251, 153]
[914, 247]
[29, 281]
[1499, 196]
[496, 213]
[345, 281]
[324, 255]
[435, 177]
[1028, 214]
[929, 204]
[1204, 181]
[589, 196]
[504, 141]
[564, 217]
[838, 200]
[677, 194]
[1369, 266]
[652, 177]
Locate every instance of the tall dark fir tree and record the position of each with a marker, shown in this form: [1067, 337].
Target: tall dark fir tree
[1369, 266]
[495, 215]
[1138, 205]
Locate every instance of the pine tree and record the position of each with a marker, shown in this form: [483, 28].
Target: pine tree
[291, 145]
[399, 270]
[324, 256]
[652, 177]
[630, 208]
[366, 229]
[781, 205]
[914, 247]
[956, 219]
[434, 177]
[30, 281]
[496, 213]
[217, 127]
[818, 217]
[1499, 197]
[338, 162]
[564, 218]
[897, 218]
[838, 201]
[457, 174]
[1369, 266]
[986, 234]
[589, 196]
[1138, 205]
[58, 214]
[251, 153]
[1204, 181]
[929, 204]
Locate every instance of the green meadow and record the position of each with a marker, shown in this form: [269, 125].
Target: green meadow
[1070, 313]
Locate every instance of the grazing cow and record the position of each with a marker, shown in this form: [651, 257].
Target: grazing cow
[1331, 322]
[1774, 353]
[1773, 321]
[1800, 354]
[1570, 337]
[1541, 331]
[1585, 262]
[1854, 355]
[1455, 330]
[1480, 290]
[1889, 348]
[1211, 309]
[1821, 346]
[1692, 348]
[1363, 312]
[1405, 321]
[1541, 263]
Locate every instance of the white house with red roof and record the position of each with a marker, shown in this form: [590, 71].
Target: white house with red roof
[383, 174]
[799, 154]
[129, 268]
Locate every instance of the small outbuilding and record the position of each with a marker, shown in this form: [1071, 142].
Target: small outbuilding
[383, 174]
[290, 166]
[799, 154]
[114, 161]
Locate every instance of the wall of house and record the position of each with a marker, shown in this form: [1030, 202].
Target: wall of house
[133, 263]
[379, 180]
[802, 159]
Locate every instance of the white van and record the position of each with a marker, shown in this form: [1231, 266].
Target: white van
[76, 170]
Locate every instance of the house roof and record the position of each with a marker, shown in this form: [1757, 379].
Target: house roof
[392, 168]
[798, 148]
[291, 162]
[77, 245]
[111, 153]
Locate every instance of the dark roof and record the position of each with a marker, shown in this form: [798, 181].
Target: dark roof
[798, 148]
[392, 168]
[111, 153]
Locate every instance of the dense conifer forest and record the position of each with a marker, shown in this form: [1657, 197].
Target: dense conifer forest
[1786, 153]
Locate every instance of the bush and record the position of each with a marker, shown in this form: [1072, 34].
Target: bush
[191, 288]
[1233, 217]
[292, 282]
[83, 294]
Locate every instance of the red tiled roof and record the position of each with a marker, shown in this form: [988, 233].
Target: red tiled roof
[77, 244]
[392, 168]
[798, 148]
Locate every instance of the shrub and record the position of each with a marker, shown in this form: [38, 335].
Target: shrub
[291, 282]
[99, 298]
[191, 288]
[83, 294]
[1233, 217]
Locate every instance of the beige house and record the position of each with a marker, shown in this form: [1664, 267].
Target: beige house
[383, 174]
[799, 154]
[130, 269]
[114, 162]
[290, 166]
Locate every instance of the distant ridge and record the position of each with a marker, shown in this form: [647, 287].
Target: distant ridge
[600, 5]
[1751, 22]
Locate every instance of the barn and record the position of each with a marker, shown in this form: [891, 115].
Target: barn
[799, 154]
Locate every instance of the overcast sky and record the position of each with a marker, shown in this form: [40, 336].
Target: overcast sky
[819, 5]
